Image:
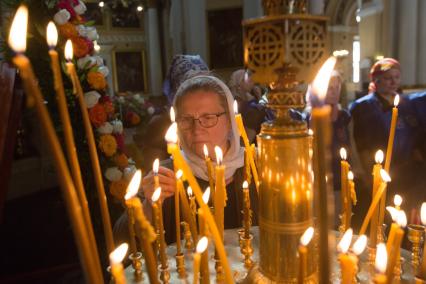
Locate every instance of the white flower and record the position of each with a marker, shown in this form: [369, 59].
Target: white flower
[105, 128]
[151, 110]
[113, 174]
[81, 30]
[129, 172]
[80, 9]
[121, 100]
[86, 62]
[117, 126]
[62, 17]
[104, 70]
[99, 60]
[91, 33]
[91, 98]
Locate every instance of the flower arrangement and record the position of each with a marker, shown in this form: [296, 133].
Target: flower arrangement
[134, 108]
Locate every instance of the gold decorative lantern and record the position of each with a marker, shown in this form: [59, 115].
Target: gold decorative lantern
[284, 51]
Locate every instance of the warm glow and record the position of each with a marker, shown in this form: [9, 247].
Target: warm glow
[396, 101]
[320, 83]
[235, 107]
[360, 244]
[172, 114]
[206, 195]
[423, 213]
[189, 190]
[118, 254]
[139, 8]
[350, 175]
[155, 166]
[345, 242]
[219, 156]
[385, 176]
[393, 212]
[402, 219]
[101, 4]
[397, 200]
[133, 186]
[340, 53]
[245, 184]
[307, 236]
[379, 157]
[156, 194]
[343, 154]
[381, 258]
[18, 30]
[68, 50]
[52, 35]
[206, 151]
[179, 174]
[171, 134]
[310, 132]
[202, 244]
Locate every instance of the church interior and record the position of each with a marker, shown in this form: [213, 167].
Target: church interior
[331, 98]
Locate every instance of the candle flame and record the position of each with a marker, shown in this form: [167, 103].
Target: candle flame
[206, 195]
[133, 186]
[235, 107]
[343, 153]
[18, 30]
[219, 155]
[381, 258]
[202, 244]
[172, 114]
[320, 83]
[156, 194]
[310, 132]
[396, 101]
[345, 242]
[385, 176]
[397, 200]
[245, 184]
[360, 244]
[423, 213]
[307, 236]
[206, 151]
[171, 134]
[118, 254]
[393, 212]
[68, 50]
[155, 166]
[179, 174]
[350, 175]
[379, 157]
[402, 219]
[52, 35]
[189, 190]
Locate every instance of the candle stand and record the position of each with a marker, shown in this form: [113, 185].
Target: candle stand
[136, 259]
[416, 237]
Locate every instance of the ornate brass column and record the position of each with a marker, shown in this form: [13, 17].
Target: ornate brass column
[284, 51]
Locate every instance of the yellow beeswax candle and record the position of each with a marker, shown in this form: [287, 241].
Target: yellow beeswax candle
[305, 239]
[381, 264]
[376, 183]
[115, 259]
[219, 202]
[157, 208]
[210, 170]
[201, 247]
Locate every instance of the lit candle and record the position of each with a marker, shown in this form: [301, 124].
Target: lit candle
[243, 134]
[145, 231]
[186, 211]
[155, 167]
[17, 41]
[203, 230]
[219, 201]
[246, 210]
[344, 169]
[201, 247]
[179, 174]
[171, 138]
[209, 166]
[115, 259]
[397, 201]
[376, 183]
[305, 239]
[394, 252]
[380, 264]
[358, 247]
[422, 271]
[158, 217]
[385, 179]
[96, 168]
[321, 123]
[192, 204]
[348, 262]
[351, 197]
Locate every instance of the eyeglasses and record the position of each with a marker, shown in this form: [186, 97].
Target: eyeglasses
[206, 121]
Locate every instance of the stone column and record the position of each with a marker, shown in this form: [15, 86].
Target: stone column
[252, 9]
[421, 48]
[154, 52]
[195, 27]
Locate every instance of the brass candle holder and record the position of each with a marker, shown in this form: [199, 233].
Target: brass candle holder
[136, 259]
[189, 244]
[416, 237]
[247, 250]
[180, 265]
[165, 274]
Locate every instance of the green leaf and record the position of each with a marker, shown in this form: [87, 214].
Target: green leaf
[90, 23]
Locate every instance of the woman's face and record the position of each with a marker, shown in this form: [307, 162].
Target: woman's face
[207, 105]
[389, 82]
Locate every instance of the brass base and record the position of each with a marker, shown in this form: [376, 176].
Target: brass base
[256, 276]
[136, 259]
[164, 274]
[180, 265]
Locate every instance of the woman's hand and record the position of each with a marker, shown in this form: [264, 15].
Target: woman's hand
[167, 183]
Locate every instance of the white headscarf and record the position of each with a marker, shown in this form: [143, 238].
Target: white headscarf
[234, 157]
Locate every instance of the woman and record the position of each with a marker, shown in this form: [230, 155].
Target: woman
[204, 111]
